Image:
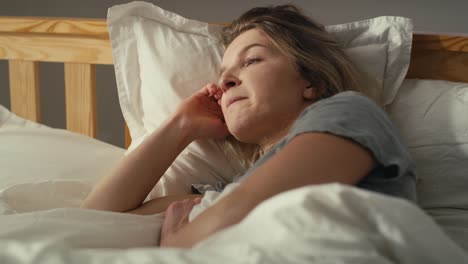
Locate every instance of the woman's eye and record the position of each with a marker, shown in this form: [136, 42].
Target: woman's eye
[250, 61]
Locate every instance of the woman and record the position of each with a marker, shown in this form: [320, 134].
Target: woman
[283, 86]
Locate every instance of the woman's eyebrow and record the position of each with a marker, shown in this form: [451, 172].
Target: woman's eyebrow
[244, 50]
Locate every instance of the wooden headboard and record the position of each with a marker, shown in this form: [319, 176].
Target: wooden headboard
[82, 43]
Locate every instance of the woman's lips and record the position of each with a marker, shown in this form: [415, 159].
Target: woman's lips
[234, 99]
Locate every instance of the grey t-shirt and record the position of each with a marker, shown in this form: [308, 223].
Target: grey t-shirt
[354, 116]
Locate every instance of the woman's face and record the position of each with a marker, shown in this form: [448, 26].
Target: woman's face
[262, 91]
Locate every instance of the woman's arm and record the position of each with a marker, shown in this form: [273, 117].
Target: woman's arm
[311, 158]
[136, 174]
[128, 184]
[161, 204]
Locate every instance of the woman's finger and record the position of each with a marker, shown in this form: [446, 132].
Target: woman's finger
[212, 88]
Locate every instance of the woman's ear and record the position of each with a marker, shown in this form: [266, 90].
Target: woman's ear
[310, 93]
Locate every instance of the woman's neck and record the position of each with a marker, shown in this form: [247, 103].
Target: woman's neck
[268, 142]
[279, 132]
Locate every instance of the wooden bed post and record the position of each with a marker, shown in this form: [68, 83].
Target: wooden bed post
[128, 138]
[80, 98]
[24, 89]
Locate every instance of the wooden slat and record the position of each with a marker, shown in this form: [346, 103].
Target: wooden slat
[439, 57]
[128, 138]
[53, 48]
[55, 25]
[24, 89]
[80, 98]
[440, 42]
[439, 65]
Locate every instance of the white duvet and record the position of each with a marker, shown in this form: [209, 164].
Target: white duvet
[330, 223]
[39, 221]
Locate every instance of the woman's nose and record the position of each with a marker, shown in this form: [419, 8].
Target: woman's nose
[228, 83]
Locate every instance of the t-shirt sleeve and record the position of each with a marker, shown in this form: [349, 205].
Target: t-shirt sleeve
[354, 116]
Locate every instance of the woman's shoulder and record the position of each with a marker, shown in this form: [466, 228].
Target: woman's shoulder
[350, 95]
[343, 106]
[345, 100]
[354, 116]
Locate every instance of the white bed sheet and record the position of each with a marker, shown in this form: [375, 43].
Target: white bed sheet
[59, 166]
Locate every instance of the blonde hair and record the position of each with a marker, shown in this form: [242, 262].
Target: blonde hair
[314, 52]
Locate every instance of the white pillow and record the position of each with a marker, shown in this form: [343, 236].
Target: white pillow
[431, 117]
[161, 58]
[43, 168]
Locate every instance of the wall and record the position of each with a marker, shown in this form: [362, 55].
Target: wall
[428, 16]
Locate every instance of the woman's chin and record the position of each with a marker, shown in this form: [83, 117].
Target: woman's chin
[243, 134]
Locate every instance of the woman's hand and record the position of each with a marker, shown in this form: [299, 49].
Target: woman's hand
[201, 113]
[176, 217]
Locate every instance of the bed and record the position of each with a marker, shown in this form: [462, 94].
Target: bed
[46, 172]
